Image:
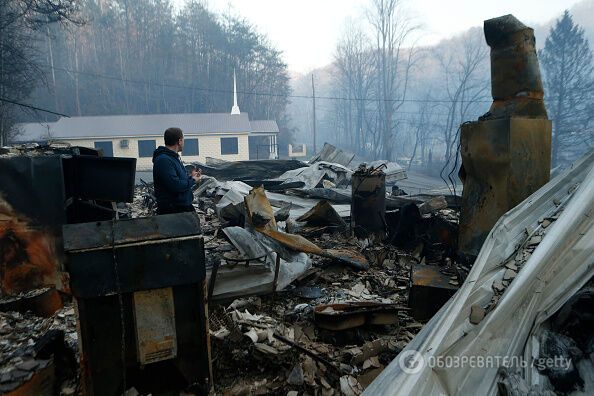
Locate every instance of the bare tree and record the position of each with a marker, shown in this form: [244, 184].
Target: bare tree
[422, 127]
[465, 83]
[392, 27]
[355, 65]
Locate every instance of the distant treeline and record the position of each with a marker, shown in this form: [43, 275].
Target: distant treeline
[142, 57]
[388, 99]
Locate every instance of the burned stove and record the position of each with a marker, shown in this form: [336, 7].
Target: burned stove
[140, 294]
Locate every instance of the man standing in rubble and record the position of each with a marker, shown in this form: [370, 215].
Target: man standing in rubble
[173, 184]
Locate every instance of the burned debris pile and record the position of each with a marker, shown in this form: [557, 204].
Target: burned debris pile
[38, 350]
[314, 277]
[313, 285]
[309, 274]
[303, 297]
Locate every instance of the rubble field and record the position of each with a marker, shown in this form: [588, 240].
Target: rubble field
[299, 339]
[300, 301]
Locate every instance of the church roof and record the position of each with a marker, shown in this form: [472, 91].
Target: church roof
[143, 125]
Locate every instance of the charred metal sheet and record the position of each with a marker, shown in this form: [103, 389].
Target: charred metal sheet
[33, 195]
[31, 213]
[99, 235]
[295, 242]
[429, 291]
[336, 195]
[34, 188]
[329, 153]
[323, 214]
[368, 206]
[148, 266]
[100, 178]
[354, 314]
[249, 170]
[274, 185]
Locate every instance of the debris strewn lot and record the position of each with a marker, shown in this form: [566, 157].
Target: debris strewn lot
[335, 327]
[298, 302]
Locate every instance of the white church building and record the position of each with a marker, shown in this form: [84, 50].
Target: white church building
[225, 136]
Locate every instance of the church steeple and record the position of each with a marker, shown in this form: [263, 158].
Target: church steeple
[235, 108]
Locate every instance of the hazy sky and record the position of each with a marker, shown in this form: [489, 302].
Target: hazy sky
[307, 30]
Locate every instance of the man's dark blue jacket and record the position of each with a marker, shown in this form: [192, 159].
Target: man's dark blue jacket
[173, 185]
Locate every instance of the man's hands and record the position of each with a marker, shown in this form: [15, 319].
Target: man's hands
[196, 173]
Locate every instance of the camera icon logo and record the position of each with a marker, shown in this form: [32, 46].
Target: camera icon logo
[411, 362]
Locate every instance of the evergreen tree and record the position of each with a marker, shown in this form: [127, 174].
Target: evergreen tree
[568, 70]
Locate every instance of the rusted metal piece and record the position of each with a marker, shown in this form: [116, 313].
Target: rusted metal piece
[506, 155]
[83, 236]
[295, 242]
[504, 161]
[354, 314]
[300, 244]
[100, 178]
[368, 204]
[258, 206]
[429, 291]
[322, 214]
[259, 210]
[154, 316]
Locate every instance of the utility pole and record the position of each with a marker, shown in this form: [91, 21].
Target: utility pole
[313, 91]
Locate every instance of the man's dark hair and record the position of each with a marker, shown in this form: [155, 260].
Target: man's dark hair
[172, 136]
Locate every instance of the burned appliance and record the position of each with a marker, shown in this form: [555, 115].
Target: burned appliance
[140, 289]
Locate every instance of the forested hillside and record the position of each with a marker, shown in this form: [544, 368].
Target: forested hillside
[142, 57]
